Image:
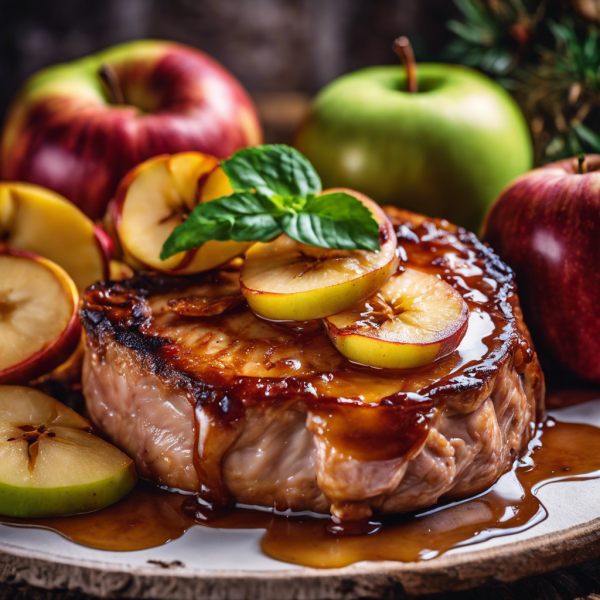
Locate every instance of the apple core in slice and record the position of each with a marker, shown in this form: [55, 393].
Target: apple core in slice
[285, 280]
[413, 320]
[39, 326]
[157, 196]
[51, 465]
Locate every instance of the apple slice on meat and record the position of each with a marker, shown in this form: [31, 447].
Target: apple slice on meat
[158, 195]
[34, 219]
[51, 465]
[285, 280]
[39, 324]
[414, 319]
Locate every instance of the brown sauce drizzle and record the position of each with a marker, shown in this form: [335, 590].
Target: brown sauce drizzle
[368, 414]
[150, 517]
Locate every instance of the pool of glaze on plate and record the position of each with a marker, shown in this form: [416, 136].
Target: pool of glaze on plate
[149, 517]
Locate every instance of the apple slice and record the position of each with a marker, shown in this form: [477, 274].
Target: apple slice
[414, 319]
[51, 465]
[34, 219]
[159, 194]
[39, 324]
[284, 280]
[119, 271]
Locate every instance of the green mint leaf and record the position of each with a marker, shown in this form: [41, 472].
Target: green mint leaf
[275, 191]
[243, 217]
[337, 220]
[272, 170]
[289, 203]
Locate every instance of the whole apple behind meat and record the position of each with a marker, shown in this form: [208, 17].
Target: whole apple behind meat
[78, 128]
[442, 140]
[546, 226]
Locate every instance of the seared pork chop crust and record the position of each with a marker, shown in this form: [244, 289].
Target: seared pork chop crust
[207, 397]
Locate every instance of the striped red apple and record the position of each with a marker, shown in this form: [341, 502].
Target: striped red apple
[546, 226]
[78, 128]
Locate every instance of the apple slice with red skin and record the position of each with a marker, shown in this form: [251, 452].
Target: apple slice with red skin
[413, 320]
[157, 196]
[285, 280]
[37, 220]
[107, 247]
[39, 323]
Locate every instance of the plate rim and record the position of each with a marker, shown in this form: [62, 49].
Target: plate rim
[505, 563]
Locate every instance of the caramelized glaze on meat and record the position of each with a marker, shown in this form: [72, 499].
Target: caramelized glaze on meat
[208, 397]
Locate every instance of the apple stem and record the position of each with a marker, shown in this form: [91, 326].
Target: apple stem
[581, 164]
[109, 77]
[403, 49]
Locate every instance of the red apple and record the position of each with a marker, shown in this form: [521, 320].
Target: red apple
[39, 322]
[546, 226]
[78, 128]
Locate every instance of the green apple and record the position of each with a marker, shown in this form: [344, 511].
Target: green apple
[49, 464]
[446, 150]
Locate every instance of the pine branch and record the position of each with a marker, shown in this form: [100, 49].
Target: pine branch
[547, 56]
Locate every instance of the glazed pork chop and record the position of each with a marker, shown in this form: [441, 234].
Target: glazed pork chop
[207, 397]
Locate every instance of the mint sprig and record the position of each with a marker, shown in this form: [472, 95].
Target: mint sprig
[275, 191]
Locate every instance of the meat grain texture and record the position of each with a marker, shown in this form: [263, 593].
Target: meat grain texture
[242, 410]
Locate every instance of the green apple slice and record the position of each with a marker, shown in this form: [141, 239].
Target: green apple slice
[49, 464]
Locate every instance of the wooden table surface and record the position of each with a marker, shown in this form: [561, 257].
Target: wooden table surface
[280, 113]
[577, 582]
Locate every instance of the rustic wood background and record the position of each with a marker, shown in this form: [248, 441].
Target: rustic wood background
[270, 45]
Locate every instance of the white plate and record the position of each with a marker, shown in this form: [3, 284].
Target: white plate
[225, 563]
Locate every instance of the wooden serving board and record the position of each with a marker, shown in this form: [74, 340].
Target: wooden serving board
[210, 564]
